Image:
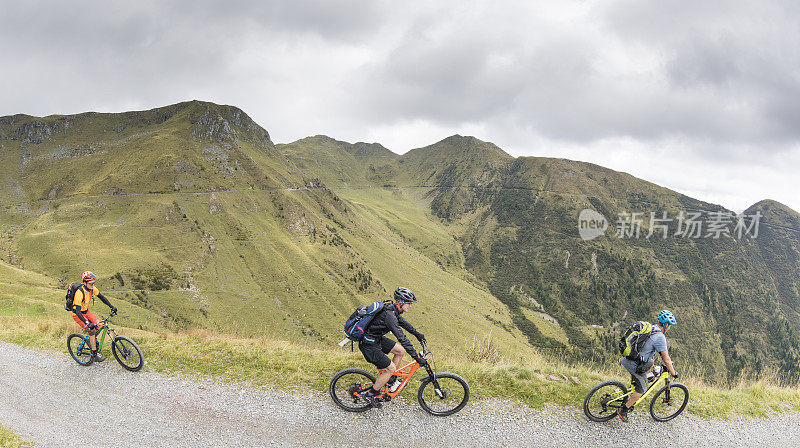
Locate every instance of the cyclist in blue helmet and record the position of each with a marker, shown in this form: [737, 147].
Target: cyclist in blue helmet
[656, 343]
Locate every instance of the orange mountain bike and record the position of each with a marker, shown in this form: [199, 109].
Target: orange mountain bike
[439, 394]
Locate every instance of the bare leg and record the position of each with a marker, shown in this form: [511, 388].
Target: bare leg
[384, 377]
[632, 400]
[398, 352]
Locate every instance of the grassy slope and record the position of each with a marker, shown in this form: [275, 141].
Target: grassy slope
[514, 221]
[339, 163]
[239, 259]
[31, 316]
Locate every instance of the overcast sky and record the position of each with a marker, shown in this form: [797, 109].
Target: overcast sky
[700, 97]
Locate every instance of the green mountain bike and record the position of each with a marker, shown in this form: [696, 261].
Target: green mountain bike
[126, 352]
[603, 400]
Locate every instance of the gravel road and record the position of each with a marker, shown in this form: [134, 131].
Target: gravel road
[40, 401]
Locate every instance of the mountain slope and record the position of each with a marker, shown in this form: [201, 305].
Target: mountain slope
[516, 222]
[340, 163]
[190, 213]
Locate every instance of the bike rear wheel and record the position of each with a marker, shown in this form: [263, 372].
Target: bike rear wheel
[448, 397]
[79, 349]
[347, 389]
[127, 353]
[668, 402]
[603, 400]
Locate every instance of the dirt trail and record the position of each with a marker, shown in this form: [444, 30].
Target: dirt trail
[49, 400]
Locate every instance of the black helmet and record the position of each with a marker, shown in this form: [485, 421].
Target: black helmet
[404, 295]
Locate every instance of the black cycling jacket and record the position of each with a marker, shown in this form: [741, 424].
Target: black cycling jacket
[389, 319]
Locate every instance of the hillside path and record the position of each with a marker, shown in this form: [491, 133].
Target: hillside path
[40, 401]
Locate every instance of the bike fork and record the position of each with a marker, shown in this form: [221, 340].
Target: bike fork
[438, 389]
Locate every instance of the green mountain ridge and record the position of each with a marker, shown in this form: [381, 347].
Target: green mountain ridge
[516, 221]
[192, 213]
[189, 212]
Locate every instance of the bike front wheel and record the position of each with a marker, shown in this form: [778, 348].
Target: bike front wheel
[447, 394]
[669, 402]
[79, 349]
[347, 389]
[127, 353]
[603, 400]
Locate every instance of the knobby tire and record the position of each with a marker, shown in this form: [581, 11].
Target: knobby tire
[127, 353]
[345, 386]
[454, 388]
[604, 409]
[74, 341]
[679, 398]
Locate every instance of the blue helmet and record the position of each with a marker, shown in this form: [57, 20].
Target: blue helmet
[666, 317]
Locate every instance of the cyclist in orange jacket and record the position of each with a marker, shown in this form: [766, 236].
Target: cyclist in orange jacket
[84, 296]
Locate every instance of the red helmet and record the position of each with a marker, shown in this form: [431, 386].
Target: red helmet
[88, 277]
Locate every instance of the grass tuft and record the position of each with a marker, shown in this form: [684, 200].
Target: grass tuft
[484, 351]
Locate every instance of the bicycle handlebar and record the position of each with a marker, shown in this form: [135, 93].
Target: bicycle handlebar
[110, 315]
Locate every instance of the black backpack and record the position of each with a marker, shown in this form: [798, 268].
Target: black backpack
[72, 288]
[632, 341]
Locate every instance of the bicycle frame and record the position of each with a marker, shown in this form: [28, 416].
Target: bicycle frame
[663, 377]
[406, 375]
[405, 372]
[105, 329]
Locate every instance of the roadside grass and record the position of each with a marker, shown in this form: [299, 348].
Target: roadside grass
[287, 365]
[10, 440]
[527, 377]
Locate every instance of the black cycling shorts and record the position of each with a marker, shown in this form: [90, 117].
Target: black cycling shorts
[375, 352]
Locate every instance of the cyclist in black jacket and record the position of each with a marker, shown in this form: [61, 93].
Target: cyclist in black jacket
[375, 345]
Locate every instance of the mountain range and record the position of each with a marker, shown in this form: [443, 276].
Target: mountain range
[192, 215]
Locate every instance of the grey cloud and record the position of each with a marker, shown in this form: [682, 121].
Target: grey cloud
[706, 62]
[343, 19]
[82, 56]
[742, 56]
[704, 73]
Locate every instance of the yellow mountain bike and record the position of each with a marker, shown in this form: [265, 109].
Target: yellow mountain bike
[603, 400]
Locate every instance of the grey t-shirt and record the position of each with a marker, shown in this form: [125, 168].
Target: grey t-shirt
[656, 344]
